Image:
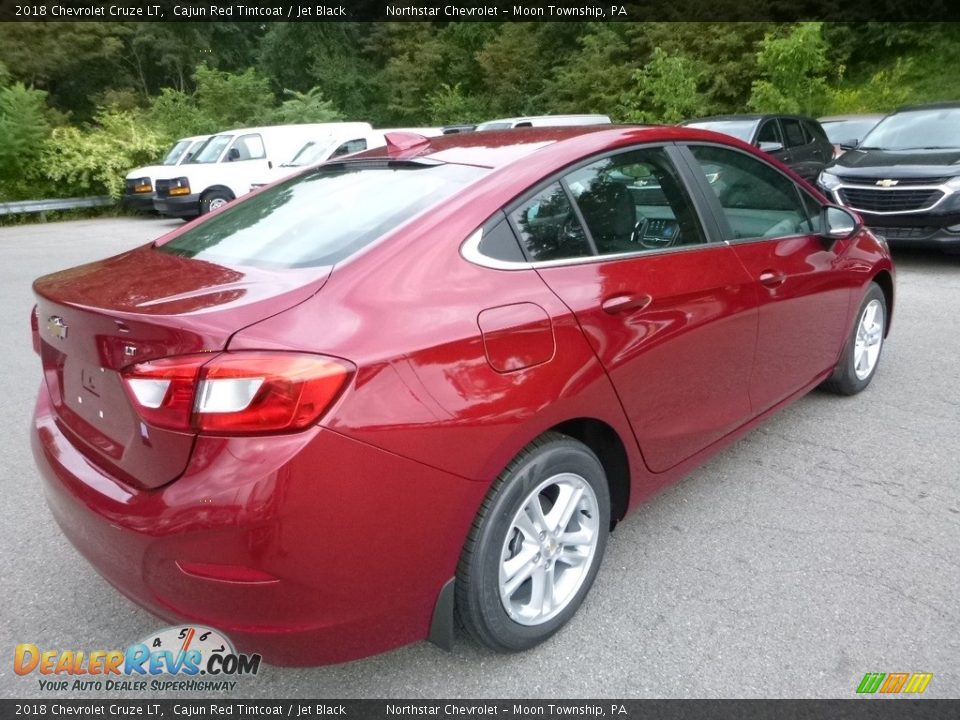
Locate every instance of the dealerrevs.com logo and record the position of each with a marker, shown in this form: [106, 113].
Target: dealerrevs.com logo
[191, 658]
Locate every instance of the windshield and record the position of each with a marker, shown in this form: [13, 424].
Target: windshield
[741, 129]
[176, 152]
[212, 149]
[322, 217]
[312, 152]
[916, 130]
[840, 131]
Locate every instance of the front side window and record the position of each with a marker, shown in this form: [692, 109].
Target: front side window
[794, 133]
[322, 217]
[350, 146]
[757, 201]
[634, 201]
[770, 133]
[246, 147]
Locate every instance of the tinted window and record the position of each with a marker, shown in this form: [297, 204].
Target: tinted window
[757, 201]
[793, 132]
[814, 131]
[770, 132]
[549, 228]
[634, 201]
[323, 217]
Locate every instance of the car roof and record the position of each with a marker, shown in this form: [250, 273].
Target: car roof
[854, 116]
[745, 116]
[932, 106]
[498, 148]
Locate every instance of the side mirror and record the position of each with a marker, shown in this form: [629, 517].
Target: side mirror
[770, 147]
[850, 144]
[233, 154]
[838, 223]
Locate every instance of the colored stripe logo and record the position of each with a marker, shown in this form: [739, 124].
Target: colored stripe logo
[889, 683]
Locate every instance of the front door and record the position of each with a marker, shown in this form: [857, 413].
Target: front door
[770, 223]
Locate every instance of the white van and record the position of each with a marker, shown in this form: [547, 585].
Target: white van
[543, 121]
[138, 191]
[338, 143]
[225, 166]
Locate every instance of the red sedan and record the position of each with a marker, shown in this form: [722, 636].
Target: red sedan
[428, 380]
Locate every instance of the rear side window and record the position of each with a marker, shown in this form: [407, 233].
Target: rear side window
[323, 217]
[549, 228]
[814, 131]
[770, 132]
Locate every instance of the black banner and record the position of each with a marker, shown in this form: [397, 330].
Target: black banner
[473, 10]
[860, 709]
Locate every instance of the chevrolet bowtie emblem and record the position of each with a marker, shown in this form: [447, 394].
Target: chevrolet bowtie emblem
[887, 183]
[57, 327]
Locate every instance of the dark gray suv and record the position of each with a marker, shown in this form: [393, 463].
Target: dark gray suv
[797, 141]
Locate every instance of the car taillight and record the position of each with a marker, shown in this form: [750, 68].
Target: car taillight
[35, 328]
[236, 393]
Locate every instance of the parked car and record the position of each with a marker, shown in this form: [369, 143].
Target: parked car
[846, 131]
[904, 177]
[428, 379]
[796, 141]
[543, 121]
[138, 190]
[337, 142]
[225, 166]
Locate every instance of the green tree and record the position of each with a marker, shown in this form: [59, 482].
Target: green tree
[450, 105]
[308, 107]
[95, 159]
[233, 99]
[23, 131]
[792, 72]
[666, 90]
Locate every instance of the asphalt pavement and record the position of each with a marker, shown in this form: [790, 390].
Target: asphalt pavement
[823, 545]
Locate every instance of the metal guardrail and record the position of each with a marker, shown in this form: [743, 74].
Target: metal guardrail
[45, 206]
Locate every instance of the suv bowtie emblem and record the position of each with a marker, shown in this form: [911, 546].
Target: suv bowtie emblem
[887, 183]
[57, 327]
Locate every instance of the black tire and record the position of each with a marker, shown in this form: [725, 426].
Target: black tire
[213, 199]
[494, 535]
[845, 380]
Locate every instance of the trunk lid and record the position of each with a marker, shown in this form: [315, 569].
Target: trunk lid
[97, 319]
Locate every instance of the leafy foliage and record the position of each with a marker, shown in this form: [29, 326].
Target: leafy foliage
[308, 107]
[666, 90]
[94, 160]
[23, 130]
[792, 72]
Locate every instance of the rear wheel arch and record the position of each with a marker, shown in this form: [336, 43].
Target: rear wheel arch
[608, 446]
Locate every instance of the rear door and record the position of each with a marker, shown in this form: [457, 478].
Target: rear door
[671, 317]
[770, 223]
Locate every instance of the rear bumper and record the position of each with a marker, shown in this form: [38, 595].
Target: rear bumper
[178, 206]
[358, 542]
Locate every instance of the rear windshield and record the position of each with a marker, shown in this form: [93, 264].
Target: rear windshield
[740, 129]
[212, 149]
[176, 152]
[930, 129]
[322, 217]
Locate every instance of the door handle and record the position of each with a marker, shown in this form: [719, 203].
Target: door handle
[625, 303]
[772, 279]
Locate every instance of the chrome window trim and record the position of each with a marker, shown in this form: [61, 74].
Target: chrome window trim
[835, 195]
[470, 251]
